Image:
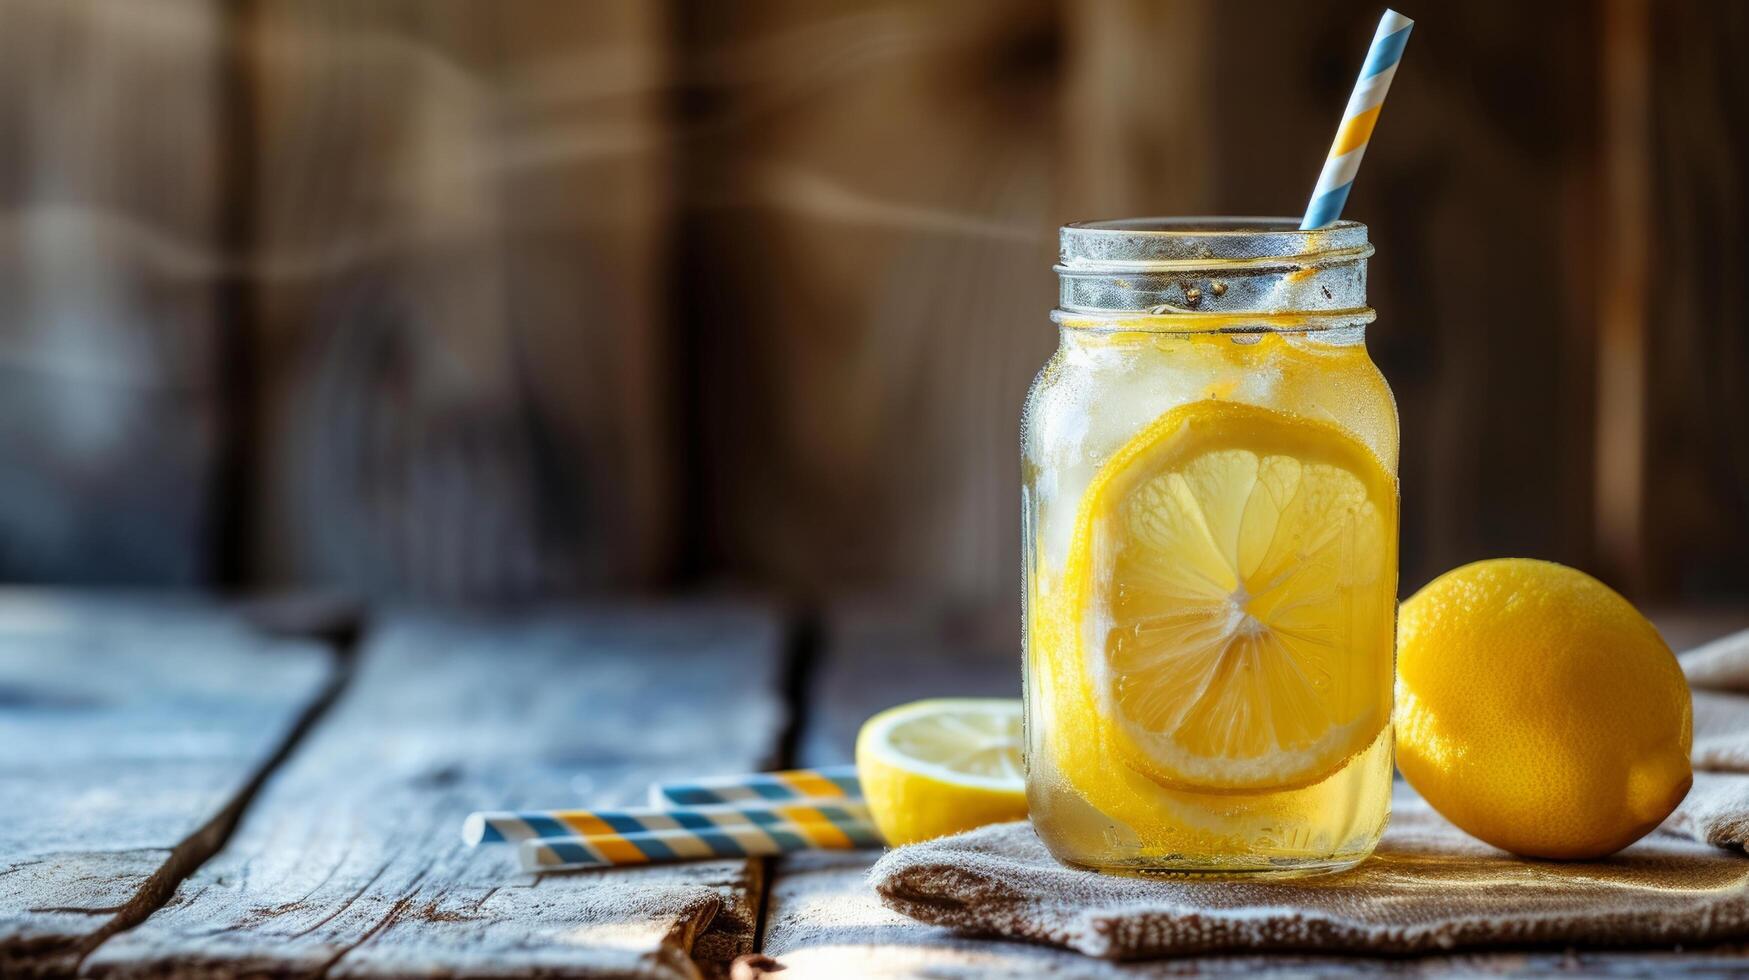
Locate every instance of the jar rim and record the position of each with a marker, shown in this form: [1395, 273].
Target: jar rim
[1211, 265]
[1207, 226]
[1179, 322]
[1224, 241]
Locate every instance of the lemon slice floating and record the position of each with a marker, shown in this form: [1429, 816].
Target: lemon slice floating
[1232, 590]
[937, 767]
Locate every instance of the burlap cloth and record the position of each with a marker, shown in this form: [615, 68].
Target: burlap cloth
[1429, 887]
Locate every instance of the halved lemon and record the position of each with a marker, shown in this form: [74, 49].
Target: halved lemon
[937, 767]
[1232, 593]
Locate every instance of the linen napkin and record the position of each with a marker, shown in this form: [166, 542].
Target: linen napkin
[1716, 810]
[1429, 887]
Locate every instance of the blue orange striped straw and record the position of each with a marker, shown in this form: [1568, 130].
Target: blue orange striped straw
[1358, 121]
[828, 783]
[510, 826]
[835, 829]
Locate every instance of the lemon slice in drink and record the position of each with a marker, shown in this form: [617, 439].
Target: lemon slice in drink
[1232, 594]
[937, 767]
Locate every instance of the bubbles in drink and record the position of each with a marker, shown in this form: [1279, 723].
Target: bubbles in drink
[1105, 387]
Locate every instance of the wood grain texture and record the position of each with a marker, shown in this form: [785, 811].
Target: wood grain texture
[881, 652]
[110, 408]
[1625, 248]
[869, 240]
[1138, 79]
[458, 215]
[1696, 520]
[823, 920]
[350, 863]
[129, 732]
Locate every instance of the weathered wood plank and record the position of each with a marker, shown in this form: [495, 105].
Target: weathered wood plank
[457, 218]
[878, 653]
[110, 408]
[130, 731]
[869, 280]
[1696, 482]
[351, 861]
[1139, 80]
[1625, 154]
[823, 920]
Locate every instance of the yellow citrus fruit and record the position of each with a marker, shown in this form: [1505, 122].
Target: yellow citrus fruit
[937, 767]
[1229, 608]
[1538, 711]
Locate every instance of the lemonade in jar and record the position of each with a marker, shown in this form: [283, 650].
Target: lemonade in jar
[1210, 503]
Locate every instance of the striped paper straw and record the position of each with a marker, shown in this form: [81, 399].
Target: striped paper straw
[509, 826]
[840, 832]
[832, 782]
[1358, 120]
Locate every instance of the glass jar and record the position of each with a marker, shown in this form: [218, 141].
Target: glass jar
[1210, 502]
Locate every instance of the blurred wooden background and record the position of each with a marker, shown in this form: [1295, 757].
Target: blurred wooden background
[451, 299]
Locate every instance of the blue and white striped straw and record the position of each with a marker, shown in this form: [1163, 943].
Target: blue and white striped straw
[827, 783]
[1358, 121]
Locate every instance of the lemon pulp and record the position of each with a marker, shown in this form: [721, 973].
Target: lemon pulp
[942, 765]
[1223, 625]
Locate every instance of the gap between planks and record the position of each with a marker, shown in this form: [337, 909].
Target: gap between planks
[339, 632]
[804, 634]
[515, 740]
[802, 652]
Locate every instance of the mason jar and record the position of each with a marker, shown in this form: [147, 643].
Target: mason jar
[1210, 502]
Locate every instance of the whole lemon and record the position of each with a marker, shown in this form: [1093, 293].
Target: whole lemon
[1538, 710]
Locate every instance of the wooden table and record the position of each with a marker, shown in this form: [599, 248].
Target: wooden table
[190, 789]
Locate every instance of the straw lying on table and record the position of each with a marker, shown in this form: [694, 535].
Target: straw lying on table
[745, 840]
[792, 784]
[501, 826]
[775, 814]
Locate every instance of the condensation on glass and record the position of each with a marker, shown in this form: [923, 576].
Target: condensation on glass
[1249, 335]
